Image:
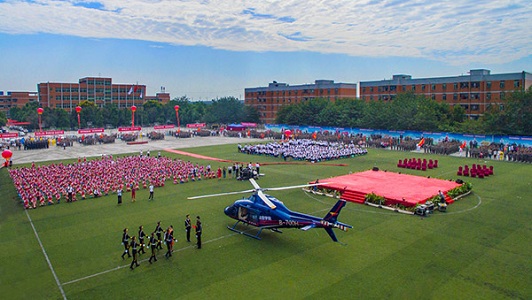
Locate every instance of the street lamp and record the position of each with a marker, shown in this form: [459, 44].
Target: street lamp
[78, 110]
[133, 110]
[40, 110]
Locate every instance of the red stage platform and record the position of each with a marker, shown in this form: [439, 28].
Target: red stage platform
[392, 186]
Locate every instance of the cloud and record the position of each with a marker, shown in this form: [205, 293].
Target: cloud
[457, 32]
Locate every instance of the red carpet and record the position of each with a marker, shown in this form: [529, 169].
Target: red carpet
[393, 186]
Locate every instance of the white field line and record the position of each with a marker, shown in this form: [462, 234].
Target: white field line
[46, 256]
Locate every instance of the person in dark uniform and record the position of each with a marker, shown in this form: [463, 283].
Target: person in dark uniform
[169, 239]
[159, 233]
[153, 246]
[198, 231]
[188, 226]
[134, 247]
[142, 235]
[125, 242]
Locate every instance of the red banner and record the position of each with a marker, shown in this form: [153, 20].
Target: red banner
[8, 135]
[49, 132]
[129, 129]
[196, 125]
[91, 130]
[163, 127]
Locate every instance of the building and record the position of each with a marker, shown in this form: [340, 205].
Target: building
[474, 92]
[268, 100]
[99, 90]
[16, 99]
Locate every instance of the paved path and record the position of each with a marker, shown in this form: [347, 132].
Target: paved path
[118, 147]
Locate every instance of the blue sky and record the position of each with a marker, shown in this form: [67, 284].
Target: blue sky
[206, 49]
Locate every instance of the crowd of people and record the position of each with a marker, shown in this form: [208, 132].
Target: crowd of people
[305, 149]
[48, 184]
[138, 244]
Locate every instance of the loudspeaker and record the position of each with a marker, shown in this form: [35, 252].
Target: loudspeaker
[459, 181]
[375, 169]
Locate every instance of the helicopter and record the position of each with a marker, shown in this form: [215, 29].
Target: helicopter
[266, 212]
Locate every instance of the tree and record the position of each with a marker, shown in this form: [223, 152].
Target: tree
[225, 110]
[3, 118]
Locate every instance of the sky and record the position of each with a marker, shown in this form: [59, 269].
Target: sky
[208, 49]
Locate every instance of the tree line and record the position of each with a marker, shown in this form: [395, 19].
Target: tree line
[223, 111]
[413, 112]
[406, 112]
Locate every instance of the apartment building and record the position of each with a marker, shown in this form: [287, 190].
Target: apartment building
[268, 100]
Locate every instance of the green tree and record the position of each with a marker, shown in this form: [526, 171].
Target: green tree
[3, 118]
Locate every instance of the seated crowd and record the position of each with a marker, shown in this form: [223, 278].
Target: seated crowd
[309, 150]
[48, 184]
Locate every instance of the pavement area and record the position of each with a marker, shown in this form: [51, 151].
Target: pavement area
[120, 147]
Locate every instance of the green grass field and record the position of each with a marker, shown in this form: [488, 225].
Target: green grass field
[479, 249]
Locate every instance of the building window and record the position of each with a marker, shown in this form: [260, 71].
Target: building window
[474, 107]
[444, 97]
[433, 97]
[475, 85]
[488, 96]
[433, 87]
[488, 85]
[455, 96]
[464, 85]
[475, 96]
[413, 87]
[444, 86]
[404, 88]
[455, 85]
[464, 96]
[371, 89]
[501, 85]
[516, 83]
[423, 87]
[502, 95]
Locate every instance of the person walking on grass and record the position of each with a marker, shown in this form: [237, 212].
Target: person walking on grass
[125, 242]
[153, 246]
[134, 245]
[151, 192]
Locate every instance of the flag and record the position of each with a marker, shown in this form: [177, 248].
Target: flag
[130, 91]
[135, 89]
[421, 143]
[140, 94]
[463, 145]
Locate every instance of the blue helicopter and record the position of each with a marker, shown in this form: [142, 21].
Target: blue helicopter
[267, 212]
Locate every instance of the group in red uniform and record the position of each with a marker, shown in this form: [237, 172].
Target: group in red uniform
[48, 184]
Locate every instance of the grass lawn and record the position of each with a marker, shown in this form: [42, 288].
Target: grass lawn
[479, 249]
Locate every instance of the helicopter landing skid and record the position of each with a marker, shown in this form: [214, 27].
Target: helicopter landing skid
[256, 236]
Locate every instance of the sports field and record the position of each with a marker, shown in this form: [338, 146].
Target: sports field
[479, 249]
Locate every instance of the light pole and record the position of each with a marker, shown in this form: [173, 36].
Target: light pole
[40, 110]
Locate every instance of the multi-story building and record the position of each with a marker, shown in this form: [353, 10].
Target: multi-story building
[475, 92]
[16, 99]
[268, 100]
[99, 90]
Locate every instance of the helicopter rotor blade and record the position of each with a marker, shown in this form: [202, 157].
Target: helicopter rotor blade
[293, 186]
[255, 184]
[221, 194]
[266, 200]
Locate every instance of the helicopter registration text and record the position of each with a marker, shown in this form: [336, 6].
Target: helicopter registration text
[288, 223]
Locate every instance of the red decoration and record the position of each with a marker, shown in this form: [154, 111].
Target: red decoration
[78, 109]
[176, 107]
[133, 110]
[40, 110]
[6, 154]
